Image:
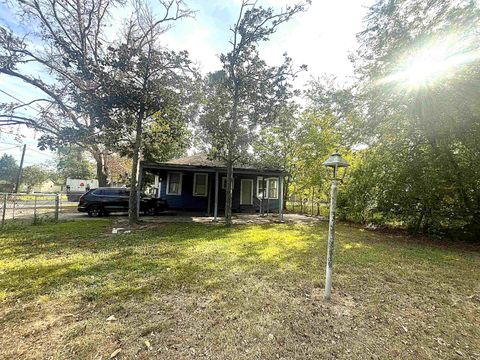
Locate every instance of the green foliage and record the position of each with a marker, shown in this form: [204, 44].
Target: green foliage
[72, 163]
[246, 93]
[165, 140]
[34, 175]
[8, 172]
[276, 143]
[420, 169]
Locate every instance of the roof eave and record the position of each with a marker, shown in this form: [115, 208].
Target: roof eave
[169, 166]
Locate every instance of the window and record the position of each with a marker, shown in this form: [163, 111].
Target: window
[269, 185]
[224, 183]
[261, 186]
[200, 183]
[112, 192]
[272, 188]
[174, 183]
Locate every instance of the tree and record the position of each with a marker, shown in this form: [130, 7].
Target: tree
[318, 136]
[8, 171]
[119, 168]
[246, 93]
[275, 144]
[151, 87]
[422, 127]
[166, 139]
[34, 175]
[66, 44]
[72, 163]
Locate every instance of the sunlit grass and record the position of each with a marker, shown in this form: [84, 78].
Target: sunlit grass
[248, 292]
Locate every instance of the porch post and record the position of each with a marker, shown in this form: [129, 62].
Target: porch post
[262, 195]
[215, 206]
[157, 186]
[280, 202]
[264, 191]
[209, 197]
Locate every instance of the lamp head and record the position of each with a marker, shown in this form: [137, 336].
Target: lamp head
[337, 166]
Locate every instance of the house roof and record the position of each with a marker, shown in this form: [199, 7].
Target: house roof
[197, 160]
[202, 161]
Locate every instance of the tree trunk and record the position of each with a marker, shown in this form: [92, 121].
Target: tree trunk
[229, 193]
[100, 167]
[418, 223]
[313, 196]
[133, 200]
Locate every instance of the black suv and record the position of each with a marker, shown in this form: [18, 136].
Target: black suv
[102, 201]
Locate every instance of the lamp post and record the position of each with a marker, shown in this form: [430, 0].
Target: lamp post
[337, 166]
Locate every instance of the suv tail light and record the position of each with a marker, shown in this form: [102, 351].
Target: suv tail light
[81, 200]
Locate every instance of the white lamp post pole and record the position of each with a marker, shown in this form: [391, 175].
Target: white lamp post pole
[338, 166]
[331, 241]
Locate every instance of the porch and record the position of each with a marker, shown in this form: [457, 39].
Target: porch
[238, 219]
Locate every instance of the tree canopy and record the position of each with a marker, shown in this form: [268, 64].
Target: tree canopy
[246, 94]
[8, 172]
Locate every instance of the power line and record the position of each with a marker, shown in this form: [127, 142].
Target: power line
[7, 143]
[8, 148]
[22, 102]
[40, 152]
[13, 97]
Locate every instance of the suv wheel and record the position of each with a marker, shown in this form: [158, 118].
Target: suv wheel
[95, 211]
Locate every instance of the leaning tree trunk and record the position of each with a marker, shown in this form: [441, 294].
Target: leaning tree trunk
[229, 193]
[133, 200]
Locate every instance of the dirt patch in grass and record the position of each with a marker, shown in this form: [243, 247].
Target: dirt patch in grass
[189, 291]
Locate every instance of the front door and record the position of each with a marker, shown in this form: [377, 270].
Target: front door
[246, 192]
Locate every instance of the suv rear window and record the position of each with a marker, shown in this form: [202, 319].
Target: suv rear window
[112, 192]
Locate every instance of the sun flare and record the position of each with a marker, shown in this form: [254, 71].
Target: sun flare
[434, 61]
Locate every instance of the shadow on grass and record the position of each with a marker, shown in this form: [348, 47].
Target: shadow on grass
[81, 259]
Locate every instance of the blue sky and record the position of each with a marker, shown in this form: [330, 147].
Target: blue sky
[321, 38]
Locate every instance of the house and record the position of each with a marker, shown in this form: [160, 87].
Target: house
[47, 187]
[197, 183]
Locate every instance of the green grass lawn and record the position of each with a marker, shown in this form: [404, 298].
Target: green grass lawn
[189, 291]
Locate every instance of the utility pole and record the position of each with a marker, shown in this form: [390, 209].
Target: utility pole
[19, 175]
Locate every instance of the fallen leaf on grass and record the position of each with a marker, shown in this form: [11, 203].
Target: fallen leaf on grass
[148, 345]
[111, 318]
[115, 353]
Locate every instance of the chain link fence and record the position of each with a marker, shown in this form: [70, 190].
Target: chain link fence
[307, 207]
[34, 208]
